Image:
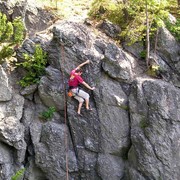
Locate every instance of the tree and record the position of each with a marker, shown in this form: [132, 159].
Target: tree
[147, 36]
[138, 19]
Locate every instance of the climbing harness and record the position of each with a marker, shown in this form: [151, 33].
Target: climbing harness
[65, 113]
[71, 94]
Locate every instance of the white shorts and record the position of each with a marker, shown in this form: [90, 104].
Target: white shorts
[80, 95]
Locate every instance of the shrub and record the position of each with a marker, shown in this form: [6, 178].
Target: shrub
[34, 65]
[154, 70]
[11, 34]
[6, 29]
[19, 31]
[48, 114]
[174, 28]
[6, 52]
[143, 54]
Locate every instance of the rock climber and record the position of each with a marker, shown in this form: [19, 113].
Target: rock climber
[74, 81]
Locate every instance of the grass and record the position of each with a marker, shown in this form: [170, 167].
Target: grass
[66, 8]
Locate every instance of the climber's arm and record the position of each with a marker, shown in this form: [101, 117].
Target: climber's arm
[82, 64]
[86, 85]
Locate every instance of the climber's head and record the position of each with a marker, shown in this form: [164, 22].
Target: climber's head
[79, 71]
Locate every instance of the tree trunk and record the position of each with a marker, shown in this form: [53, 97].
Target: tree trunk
[147, 37]
[56, 4]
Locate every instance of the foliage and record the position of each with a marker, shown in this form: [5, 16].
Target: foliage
[6, 52]
[11, 34]
[130, 15]
[48, 114]
[19, 28]
[143, 123]
[18, 174]
[6, 29]
[143, 54]
[174, 28]
[154, 70]
[34, 65]
[104, 9]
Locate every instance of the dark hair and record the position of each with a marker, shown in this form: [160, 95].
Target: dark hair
[78, 71]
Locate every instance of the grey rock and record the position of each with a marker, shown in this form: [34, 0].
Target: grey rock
[33, 172]
[13, 107]
[111, 103]
[117, 64]
[50, 152]
[51, 89]
[110, 167]
[36, 19]
[28, 90]
[5, 88]
[168, 48]
[135, 49]
[6, 160]
[144, 125]
[12, 133]
[85, 130]
[109, 29]
[154, 132]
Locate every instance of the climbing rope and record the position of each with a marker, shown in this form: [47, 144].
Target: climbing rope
[65, 111]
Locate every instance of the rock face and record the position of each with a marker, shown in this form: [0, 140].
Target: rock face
[155, 115]
[35, 18]
[132, 133]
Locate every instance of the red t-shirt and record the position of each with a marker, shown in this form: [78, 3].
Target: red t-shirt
[74, 79]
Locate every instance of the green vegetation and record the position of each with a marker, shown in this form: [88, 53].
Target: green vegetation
[64, 9]
[174, 28]
[18, 35]
[143, 54]
[6, 52]
[18, 174]
[131, 16]
[143, 123]
[34, 65]
[11, 35]
[48, 114]
[124, 107]
[154, 70]
[6, 29]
